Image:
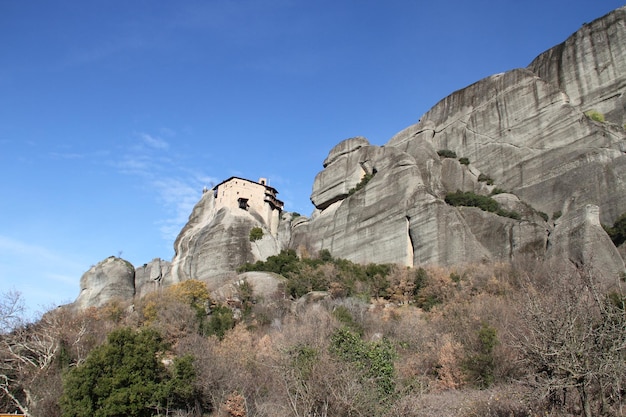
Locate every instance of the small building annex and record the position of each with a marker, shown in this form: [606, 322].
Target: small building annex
[255, 197]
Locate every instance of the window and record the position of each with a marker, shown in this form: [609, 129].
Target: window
[243, 203]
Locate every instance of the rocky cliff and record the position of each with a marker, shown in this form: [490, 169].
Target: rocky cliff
[529, 132]
[547, 142]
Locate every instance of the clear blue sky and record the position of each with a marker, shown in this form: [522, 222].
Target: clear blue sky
[115, 114]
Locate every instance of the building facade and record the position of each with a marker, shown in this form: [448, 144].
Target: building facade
[255, 197]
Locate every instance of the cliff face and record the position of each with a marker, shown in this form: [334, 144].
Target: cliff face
[214, 243]
[525, 130]
[527, 133]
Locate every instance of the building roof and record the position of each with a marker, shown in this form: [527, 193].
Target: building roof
[245, 179]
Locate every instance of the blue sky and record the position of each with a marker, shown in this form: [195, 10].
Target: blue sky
[115, 114]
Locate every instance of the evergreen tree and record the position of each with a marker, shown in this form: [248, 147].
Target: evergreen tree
[126, 377]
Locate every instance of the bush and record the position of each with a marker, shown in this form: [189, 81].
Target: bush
[480, 365]
[446, 153]
[618, 231]
[220, 321]
[125, 376]
[556, 215]
[470, 199]
[255, 234]
[464, 161]
[366, 178]
[595, 115]
[485, 178]
[374, 359]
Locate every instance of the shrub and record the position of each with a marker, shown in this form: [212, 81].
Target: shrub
[498, 191]
[125, 376]
[220, 321]
[485, 178]
[255, 234]
[480, 365]
[470, 199]
[556, 215]
[618, 231]
[446, 153]
[595, 115]
[374, 359]
[366, 178]
[543, 215]
[464, 161]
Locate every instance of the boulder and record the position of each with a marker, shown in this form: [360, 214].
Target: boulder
[109, 280]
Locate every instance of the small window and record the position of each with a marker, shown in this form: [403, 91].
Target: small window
[243, 203]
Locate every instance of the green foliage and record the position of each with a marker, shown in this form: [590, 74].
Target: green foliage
[543, 215]
[375, 360]
[464, 161]
[427, 302]
[480, 365]
[220, 321]
[325, 256]
[283, 263]
[470, 199]
[245, 292]
[497, 190]
[125, 377]
[305, 280]
[595, 115]
[556, 215]
[303, 359]
[618, 231]
[366, 178]
[446, 153]
[343, 316]
[295, 214]
[485, 178]
[305, 275]
[256, 233]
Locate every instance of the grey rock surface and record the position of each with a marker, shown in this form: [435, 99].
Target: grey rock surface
[527, 135]
[151, 276]
[214, 243]
[579, 239]
[589, 66]
[111, 279]
[524, 131]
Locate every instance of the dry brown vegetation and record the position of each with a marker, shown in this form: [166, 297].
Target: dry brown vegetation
[481, 340]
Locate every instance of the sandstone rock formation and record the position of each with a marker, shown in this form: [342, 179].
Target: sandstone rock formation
[526, 134]
[151, 276]
[525, 131]
[111, 279]
[215, 242]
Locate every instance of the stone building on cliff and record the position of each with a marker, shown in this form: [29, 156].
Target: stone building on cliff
[256, 197]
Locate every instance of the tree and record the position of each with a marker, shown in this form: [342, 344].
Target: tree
[126, 376]
[573, 341]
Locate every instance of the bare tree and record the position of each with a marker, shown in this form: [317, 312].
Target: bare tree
[573, 340]
[28, 352]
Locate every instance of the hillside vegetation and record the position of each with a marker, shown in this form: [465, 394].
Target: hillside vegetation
[375, 340]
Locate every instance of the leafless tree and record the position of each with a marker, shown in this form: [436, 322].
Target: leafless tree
[573, 340]
[28, 352]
